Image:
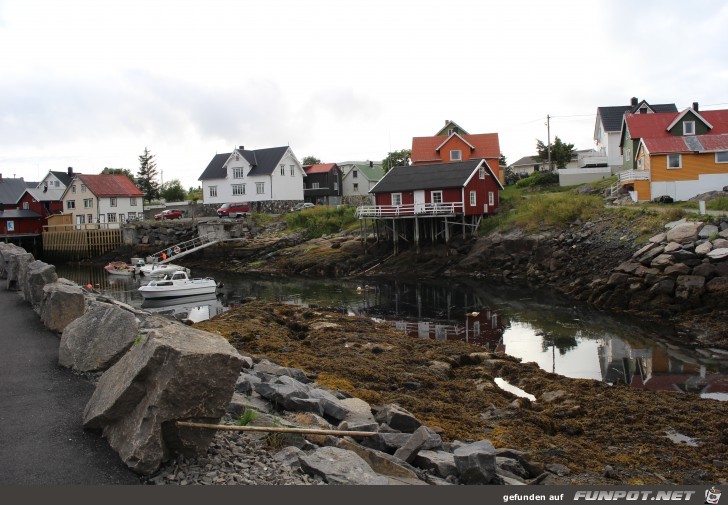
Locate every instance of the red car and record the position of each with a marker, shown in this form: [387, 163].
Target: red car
[168, 214]
[241, 209]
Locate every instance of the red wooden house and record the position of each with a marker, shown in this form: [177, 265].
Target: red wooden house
[447, 194]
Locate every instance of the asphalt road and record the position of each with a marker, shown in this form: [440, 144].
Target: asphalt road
[42, 440]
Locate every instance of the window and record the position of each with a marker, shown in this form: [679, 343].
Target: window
[336, 186]
[627, 154]
[643, 110]
[356, 187]
[88, 203]
[473, 198]
[260, 188]
[80, 219]
[112, 202]
[689, 128]
[491, 198]
[71, 204]
[83, 188]
[437, 197]
[396, 199]
[481, 173]
[132, 201]
[476, 328]
[456, 155]
[641, 163]
[721, 157]
[238, 189]
[26, 205]
[56, 183]
[90, 218]
[132, 216]
[283, 170]
[674, 161]
[293, 170]
[315, 185]
[354, 174]
[213, 190]
[73, 188]
[238, 173]
[111, 217]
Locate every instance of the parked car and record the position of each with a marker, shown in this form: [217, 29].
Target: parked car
[302, 205]
[241, 209]
[168, 214]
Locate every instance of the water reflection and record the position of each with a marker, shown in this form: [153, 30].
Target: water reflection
[564, 338]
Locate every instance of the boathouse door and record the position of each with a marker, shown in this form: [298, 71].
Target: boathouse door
[419, 201]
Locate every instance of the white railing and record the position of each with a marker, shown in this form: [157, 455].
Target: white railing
[183, 249]
[633, 175]
[591, 159]
[414, 209]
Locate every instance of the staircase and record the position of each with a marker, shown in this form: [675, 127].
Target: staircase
[182, 249]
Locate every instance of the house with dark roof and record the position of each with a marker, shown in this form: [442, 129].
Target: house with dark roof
[608, 126]
[10, 192]
[17, 223]
[322, 184]
[358, 177]
[260, 175]
[680, 155]
[107, 199]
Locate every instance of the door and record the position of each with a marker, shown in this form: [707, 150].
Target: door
[419, 201]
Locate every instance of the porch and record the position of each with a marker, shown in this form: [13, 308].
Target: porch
[418, 209]
[628, 176]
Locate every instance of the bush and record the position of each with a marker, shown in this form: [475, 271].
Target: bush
[720, 203]
[663, 199]
[321, 220]
[539, 179]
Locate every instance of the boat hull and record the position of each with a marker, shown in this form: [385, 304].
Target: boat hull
[176, 291]
[161, 270]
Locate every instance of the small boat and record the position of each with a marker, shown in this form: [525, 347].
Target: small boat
[177, 284]
[120, 268]
[156, 270]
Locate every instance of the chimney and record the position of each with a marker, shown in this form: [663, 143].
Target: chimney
[241, 148]
[70, 171]
[633, 102]
[371, 164]
[447, 121]
[695, 106]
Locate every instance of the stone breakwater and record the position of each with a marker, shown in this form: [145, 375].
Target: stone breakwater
[675, 277]
[151, 371]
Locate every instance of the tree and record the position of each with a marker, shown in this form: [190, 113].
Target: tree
[561, 153]
[397, 159]
[172, 191]
[502, 160]
[194, 194]
[147, 176]
[311, 160]
[122, 171]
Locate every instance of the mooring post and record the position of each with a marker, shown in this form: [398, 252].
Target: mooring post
[417, 235]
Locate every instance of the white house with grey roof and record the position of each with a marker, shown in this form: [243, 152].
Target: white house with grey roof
[261, 175]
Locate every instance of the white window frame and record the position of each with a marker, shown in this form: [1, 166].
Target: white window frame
[459, 155]
[398, 198]
[679, 161]
[481, 173]
[293, 170]
[70, 204]
[238, 173]
[237, 189]
[354, 174]
[26, 205]
[111, 217]
[83, 188]
[132, 201]
[336, 186]
[283, 170]
[112, 202]
[436, 196]
[627, 154]
[260, 188]
[90, 218]
[356, 187]
[692, 128]
[315, 185]
[725, 155]
[73, 188]
[88, 203]
[473, 198]
[491, 198]
[213, 191]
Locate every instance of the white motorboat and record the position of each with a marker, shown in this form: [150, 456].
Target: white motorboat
[177, 284]
[156, 270]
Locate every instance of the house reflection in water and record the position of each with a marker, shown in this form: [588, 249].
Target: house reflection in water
[484, 328]
[661, 368]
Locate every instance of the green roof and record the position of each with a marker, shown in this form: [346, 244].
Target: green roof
[372, 173]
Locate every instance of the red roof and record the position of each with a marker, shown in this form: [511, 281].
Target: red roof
[649, 125]
[693, 143]
[104, 185]
[319, 169]
[719, 120]
[486, 146]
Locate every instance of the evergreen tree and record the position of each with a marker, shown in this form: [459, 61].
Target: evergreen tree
[561, 153]
[147, 176]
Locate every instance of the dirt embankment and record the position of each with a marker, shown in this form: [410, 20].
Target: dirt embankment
[603, 434]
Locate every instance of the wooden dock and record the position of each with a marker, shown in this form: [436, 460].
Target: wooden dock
[77, 244]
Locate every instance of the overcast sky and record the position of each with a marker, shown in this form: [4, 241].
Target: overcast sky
[91, 83]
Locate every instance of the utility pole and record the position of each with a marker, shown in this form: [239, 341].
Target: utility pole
[548, 133]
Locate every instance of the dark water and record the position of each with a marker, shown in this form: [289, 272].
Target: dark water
[564, 338]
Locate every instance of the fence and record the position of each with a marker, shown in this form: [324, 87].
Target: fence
[80, 244]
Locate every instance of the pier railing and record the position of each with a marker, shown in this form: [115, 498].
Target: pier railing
[413, 209]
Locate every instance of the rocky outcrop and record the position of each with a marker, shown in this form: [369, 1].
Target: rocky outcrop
[98, 339]
[63, 302]
[17, 265]
[36, 277]
[174, 373]
[6, 252]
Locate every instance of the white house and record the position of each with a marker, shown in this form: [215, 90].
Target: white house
[102, 198]
[272, 174]
[358, 177]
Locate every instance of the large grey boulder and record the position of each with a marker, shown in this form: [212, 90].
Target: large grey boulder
[684, 233]
[266, 367]
[441, 463]
[359, 418]
[36, 277]
[381, 462]
[174, 373]
[98, 339]
[290, 394]
[416, 442]
[339, 466]
[17, 264]
[398, 418]
[708, 231]
[718, 254]
[6, 251]
[476, 463]
[63, 302]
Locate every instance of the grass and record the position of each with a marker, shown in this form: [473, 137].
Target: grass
[246, 417]
[720, 203]
[321, 220]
